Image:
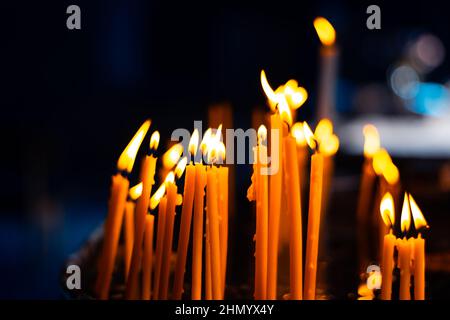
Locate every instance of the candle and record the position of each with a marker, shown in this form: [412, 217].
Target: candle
[387, 212]
[404, 253]
[197, 246]
[159, 233]
[147, 175]
[315, 203]
[128, 226]
[285, 99]
[329, 55]
[302, 152]
[419, 250]
[223, 222]
[116, 208]
[208, 280]
[147, 260]
[168, 238]
[366, 190]
[186, 217]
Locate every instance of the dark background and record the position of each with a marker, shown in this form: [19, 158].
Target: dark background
[70, 100]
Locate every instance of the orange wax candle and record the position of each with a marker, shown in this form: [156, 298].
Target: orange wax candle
[295, 212]
[387, 266]
[312, 243]
[147, 261]
[185, 229]
[168, 238]
[419, 268]
[223, 221]
[128, 223]
[208, 280]
[197, 247]
[159, 245]
[404, 254]
[213, 218]
[116, 208]
[275, 185]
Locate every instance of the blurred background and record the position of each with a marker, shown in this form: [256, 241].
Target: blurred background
[71, 101]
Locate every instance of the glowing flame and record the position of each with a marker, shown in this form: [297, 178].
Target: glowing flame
[371, 140]
[324, 129]
[126, 159]
[179, 169]
[391, 174]
[329, 145]
[285, 112]
[383, 165]
[154, 140]
[170, 178]
[419, 219]
[193, 142]
[262, 133]
[172, 156]
[387, 210]
[221, 151]
[405, 220]
[325, 31]
[309, 136]
[268, 90]
[136, 191]
[205, 141]
[298, 133]
[157, 196]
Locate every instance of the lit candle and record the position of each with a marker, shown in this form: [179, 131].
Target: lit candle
[147, 175]
[128, 225]
[302, 152]
[387, 212]
[329, 55]
[147, 260]
[186, 218]
[419, 250]
[116, 208]
[171, 188]
[159, 198]
[366, 190]
[404, 253]
[223, 222]
[315, 203]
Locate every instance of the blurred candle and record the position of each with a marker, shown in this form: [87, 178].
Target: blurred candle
[147, 261]
[329, 56]
[159, 241]
[387, 212]
[147, 175]
[116, 209]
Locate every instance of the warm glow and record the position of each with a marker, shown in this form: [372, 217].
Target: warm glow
[309, 136]
[170, 178]
[270, 94]
[381, 161]
[193, 142]
[295, 96]
[391, 174]
[179, 169]
[262, 133]
[172, 156]
[136, 191]
[221, 151]
[157, 196]
[405, 220]
[298, 133]
[325, 31]
[371, 140]
[387, 210]
[154, 140]
[329, 146]
[285, 112]
[126, 159]
[205, 141]
[419, 219]
[324, 129]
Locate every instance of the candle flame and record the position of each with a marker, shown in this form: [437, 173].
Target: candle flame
[391, 174]
[126, 159]
[205, 141]
[179, 169]
[154, 140]
[136, 191]
[172, 156]
[371, 140]
[262, 133]
[221, 151]
[285, 112]
[157, 196]
[325, 31]
[170, 178]
[193, 142]
[324, 129]
[387, 210]
[419, 219]
[406, 216]
[270, 94]
[329, 146]
[309, 136]
[298, 133]
[383, 165]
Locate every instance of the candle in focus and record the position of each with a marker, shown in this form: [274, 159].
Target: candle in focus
[116, 208]
[404, 253]
[387, 212]
[128, 225]
[147, 260]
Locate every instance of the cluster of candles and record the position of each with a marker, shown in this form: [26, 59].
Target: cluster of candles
[130, 213]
